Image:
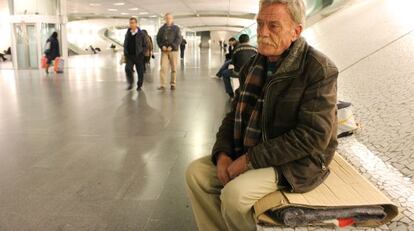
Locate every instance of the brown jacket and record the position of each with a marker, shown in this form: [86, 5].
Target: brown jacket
[299, 121]
[150, 47]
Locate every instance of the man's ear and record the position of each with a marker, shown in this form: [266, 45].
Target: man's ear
[297, 32]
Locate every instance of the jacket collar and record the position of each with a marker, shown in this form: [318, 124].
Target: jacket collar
[293, 60]
[130, 31]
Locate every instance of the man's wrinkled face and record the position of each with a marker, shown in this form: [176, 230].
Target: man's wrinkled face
[276, 30]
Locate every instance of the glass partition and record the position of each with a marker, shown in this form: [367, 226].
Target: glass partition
[26, 46]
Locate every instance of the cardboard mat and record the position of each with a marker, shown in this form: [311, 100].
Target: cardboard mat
[344, 188]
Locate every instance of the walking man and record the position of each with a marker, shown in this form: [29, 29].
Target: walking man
[169, 40]
[182, 48]
[134, 47]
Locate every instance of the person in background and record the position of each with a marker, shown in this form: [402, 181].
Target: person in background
[134, 48]
[182, 47]
[225, 66]
[232, 45]
[149, 52]
[281, 133]
[52, 50]
[241, 56]
[169, 40]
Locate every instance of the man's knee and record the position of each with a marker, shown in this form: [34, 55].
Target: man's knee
[232, 198]
[194, 174]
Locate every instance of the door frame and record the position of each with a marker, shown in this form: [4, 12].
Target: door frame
[36, 20]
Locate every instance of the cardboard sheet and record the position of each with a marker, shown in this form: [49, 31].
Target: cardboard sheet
[343, 188]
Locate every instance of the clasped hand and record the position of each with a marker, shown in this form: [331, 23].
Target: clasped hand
[227, 169]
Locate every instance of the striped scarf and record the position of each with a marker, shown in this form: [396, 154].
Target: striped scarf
[247, 124]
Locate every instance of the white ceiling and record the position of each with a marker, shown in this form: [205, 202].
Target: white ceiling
[232, 15]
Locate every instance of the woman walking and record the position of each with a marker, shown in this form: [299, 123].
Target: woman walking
[52, 50]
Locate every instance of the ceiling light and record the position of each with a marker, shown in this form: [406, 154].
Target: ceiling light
[94, 4]
[119, 4]
[112, 10]
[133, 9]
[143, 13]
[124, 13]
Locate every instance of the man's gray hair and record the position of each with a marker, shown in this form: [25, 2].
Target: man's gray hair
[296, 8]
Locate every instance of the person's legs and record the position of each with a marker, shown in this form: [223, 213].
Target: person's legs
[129, 68]
[173, 57]
[229, 208]
[224, 67]
[49, 61]
[240, 194]
[140, 67]
[227, 82]
[203, 188]
[164, 68]
[182, 52]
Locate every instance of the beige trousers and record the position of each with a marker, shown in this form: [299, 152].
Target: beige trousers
[218, 208]
[168, 59]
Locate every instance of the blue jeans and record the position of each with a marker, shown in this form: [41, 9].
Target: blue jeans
[223, 68]
[227, 82]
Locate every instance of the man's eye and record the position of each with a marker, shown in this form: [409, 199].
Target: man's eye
[274, 26]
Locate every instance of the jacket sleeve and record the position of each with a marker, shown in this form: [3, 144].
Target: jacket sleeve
[177, 39]
[225, 135]
[160, 41]
[316, 122]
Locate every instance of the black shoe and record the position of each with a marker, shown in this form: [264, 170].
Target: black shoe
[172, 88]
[139, 89]
[129, 87]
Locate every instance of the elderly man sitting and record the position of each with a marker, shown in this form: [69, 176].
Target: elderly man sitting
[281, 131]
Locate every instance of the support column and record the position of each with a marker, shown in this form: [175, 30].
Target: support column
[63, 20]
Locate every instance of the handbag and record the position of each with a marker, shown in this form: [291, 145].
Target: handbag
[47, 47]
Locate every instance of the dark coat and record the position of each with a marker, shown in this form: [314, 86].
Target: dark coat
[54, 51]
[183, 44]
[299, 121]
[169, 36]
[242, 54]
[141, 44]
